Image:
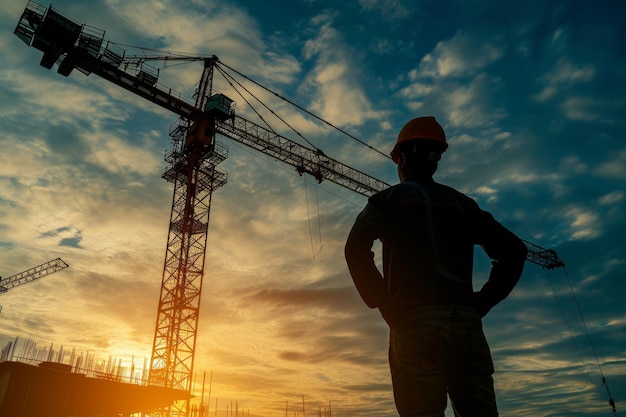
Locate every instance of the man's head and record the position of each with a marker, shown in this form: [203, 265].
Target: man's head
[419, 147]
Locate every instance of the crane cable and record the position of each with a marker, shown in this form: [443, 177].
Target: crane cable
[593, 349]
[230, 79]
[308, 214]
[584, 323]
[179, 56]
[307, 111]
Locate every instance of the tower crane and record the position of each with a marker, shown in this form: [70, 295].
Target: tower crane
[31, 275]
[192, 168]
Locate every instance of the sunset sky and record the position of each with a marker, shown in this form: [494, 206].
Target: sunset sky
[531, 95]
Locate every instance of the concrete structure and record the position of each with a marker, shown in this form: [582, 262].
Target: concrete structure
[53, 390]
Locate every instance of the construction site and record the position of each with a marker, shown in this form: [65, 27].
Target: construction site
[46, 381]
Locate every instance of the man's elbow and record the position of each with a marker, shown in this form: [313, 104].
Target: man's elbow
[349, 252]
[514, 257]
[522, 251]
[354, 250]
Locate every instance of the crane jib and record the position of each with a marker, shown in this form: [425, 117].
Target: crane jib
[304, 159]
[32, 274]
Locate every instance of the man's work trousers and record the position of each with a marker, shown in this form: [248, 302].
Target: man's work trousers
[442, 350]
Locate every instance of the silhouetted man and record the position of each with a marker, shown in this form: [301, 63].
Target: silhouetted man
[425, 293]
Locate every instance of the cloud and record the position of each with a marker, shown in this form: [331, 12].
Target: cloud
[389, 9]
[334, 82]
[453, 82]
[116, 155]
[612, 198]
[614, 167]
[562, 77]
[65, 236]
[584, 224]
[210, 29]
[462, 56]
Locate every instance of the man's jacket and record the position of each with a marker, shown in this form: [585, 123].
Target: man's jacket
[428, 231]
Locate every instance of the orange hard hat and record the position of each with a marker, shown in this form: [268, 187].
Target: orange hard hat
[420, 128]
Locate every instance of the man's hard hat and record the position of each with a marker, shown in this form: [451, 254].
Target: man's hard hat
[420, 128]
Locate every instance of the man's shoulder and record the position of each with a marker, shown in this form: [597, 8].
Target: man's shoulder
[451, 191]
[443, 197]
[399, 191]
[429, 191]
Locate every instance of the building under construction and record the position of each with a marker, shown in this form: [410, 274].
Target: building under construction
[57, 390]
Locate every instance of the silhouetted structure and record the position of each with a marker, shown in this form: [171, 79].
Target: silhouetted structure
[31, 274]
[53, 390]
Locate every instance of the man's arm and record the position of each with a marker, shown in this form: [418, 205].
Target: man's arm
[360, 257]
[508, 255]
[368, 280]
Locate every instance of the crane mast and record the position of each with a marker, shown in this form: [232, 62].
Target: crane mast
[192, 169]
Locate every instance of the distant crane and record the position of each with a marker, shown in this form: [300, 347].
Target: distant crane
[545, 258]
[192, 168]
[31, 275]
